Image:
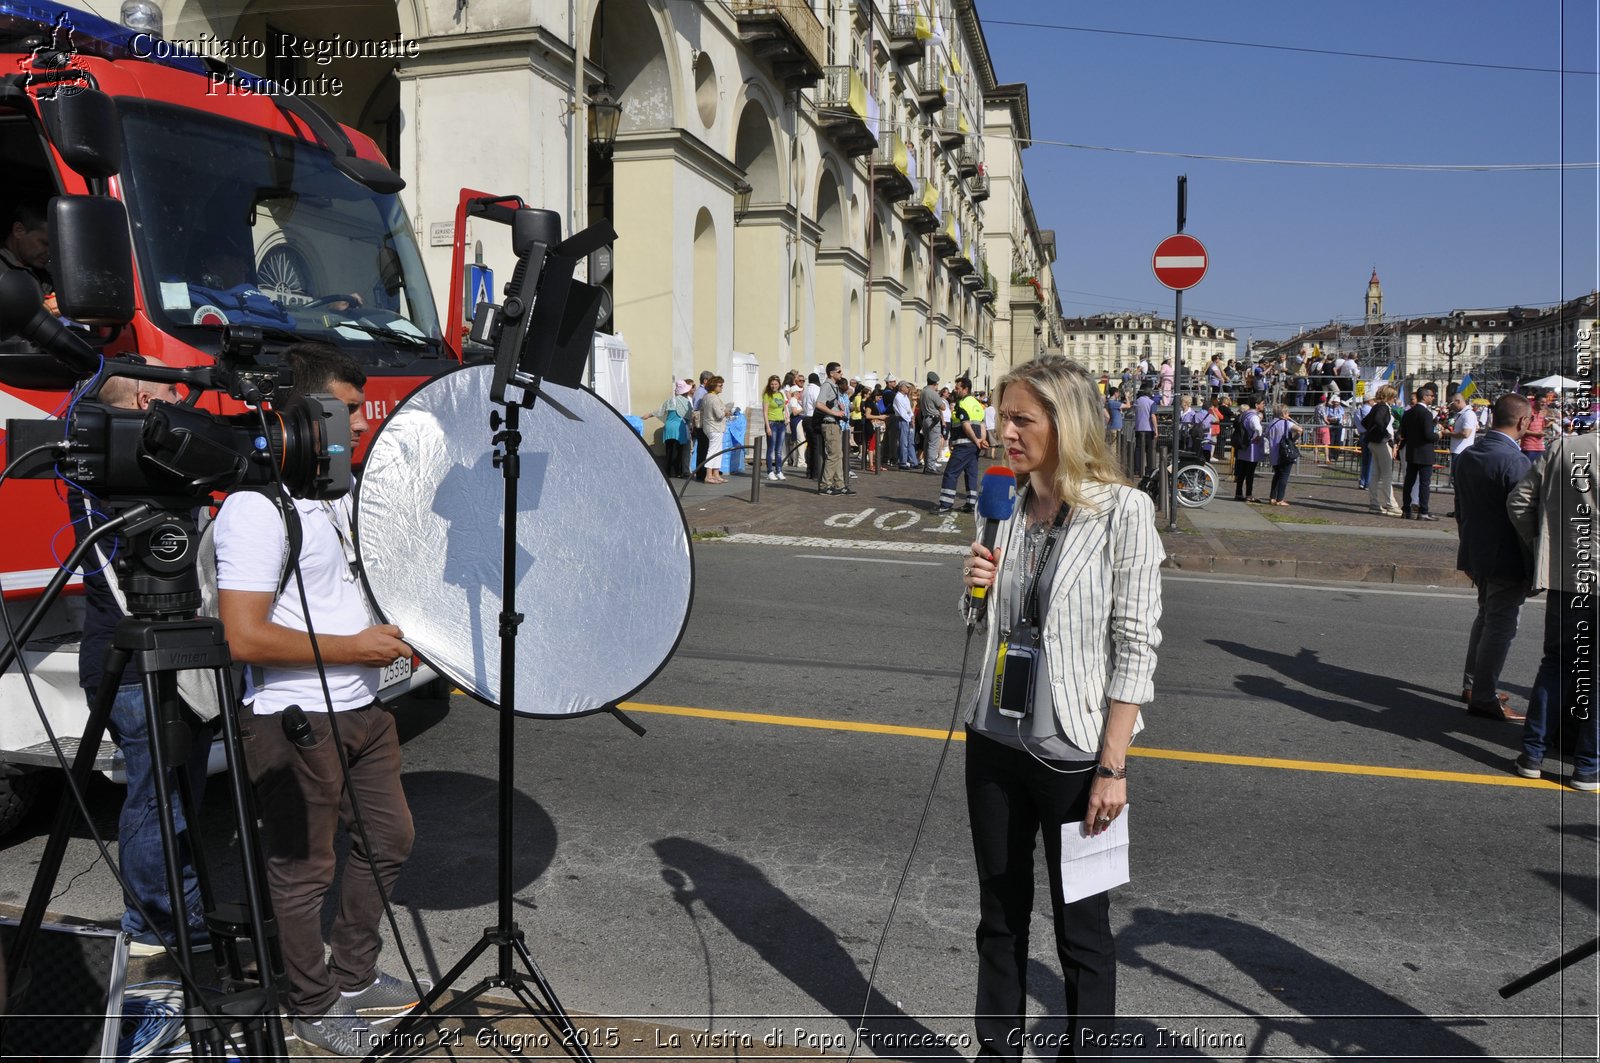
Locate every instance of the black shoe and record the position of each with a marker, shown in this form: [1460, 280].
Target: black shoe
[942, 510]
[968, 508]
[844, 490]
[1426, 516]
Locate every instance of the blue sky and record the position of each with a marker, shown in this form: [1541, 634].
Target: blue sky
[1292, 246]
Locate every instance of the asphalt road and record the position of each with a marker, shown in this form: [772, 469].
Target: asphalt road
[1329, 857]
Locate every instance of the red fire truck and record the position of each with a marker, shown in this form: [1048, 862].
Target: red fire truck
[240, 206]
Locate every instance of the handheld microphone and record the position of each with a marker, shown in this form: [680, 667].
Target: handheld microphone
[296, 728]
[997, 498]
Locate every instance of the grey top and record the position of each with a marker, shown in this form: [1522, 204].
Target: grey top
[1040, 731]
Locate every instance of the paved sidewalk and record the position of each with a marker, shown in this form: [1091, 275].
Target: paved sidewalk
[1326, 533]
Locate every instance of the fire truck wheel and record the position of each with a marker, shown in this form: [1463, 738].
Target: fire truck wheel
[19, 788]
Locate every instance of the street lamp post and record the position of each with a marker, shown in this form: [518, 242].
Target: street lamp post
[1451, 342]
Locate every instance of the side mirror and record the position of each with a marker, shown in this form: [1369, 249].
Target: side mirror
[82, 124]
[91, 259]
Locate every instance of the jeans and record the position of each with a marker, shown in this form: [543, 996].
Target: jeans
[301, 795]
[139, 850]
[1366, 462]
[1420, 475]
[908, 444]
[1011, 800]
[1280, 480]
[1563, 701]
[1499, 603]
[775, 431]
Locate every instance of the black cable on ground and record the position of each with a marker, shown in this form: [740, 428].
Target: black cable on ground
[916, 842]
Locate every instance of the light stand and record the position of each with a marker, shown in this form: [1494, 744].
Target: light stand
[544, 329]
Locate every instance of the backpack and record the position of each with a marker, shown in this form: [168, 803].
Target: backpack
[196, 688]
[1288, 449]
[1241, 433]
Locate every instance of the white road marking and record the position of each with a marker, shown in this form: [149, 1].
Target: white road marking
[874, 560]
[811, 542]
[1353, 588]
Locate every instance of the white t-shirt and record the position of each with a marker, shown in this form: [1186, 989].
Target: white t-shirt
[808, 404]
[1465, 421]
[250, 546]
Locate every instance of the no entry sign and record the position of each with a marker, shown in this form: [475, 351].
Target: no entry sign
[1179, 262]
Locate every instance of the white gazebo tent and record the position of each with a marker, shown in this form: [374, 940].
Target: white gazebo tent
[1555, 381]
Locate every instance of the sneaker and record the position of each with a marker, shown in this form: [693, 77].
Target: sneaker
[1426, 516]
[340, 1031]
[387, 995]
[969, 508]
[1585, 780]
[143, 946]
[772, 476]
[780, 474]
[1527, 767]
[942, 510]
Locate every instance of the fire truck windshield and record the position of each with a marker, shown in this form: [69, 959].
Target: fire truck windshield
[233, 223]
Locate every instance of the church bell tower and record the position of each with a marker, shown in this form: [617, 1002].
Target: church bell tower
[1374, 299]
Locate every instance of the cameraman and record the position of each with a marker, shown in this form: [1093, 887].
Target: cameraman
[299, 782]
[139, 851]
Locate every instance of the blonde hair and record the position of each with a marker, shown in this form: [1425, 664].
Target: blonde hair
[1070, 398]
[1386, 394]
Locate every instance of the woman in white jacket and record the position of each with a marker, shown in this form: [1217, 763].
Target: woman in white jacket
[1079, 566]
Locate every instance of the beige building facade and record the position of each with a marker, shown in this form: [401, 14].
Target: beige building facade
[792, 182]
[1110, 343]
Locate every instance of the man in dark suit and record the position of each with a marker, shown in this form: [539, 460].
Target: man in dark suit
[1419, 432]
[1491, 553]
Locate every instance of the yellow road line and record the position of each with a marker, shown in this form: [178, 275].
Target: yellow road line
[1327, 767]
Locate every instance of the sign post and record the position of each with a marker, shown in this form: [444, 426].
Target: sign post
[1179, 263]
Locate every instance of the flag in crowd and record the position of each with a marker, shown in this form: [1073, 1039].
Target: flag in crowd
[1468, 388]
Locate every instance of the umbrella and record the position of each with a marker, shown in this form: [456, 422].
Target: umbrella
[1554, 381]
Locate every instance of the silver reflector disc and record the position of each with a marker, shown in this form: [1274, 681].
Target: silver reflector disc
[604, 570]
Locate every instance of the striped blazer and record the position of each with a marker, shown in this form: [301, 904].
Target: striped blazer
[1104, 604]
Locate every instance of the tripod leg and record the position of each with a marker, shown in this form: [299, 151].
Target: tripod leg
[55, 849]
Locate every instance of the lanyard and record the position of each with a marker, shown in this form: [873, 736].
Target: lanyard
[1029, 615]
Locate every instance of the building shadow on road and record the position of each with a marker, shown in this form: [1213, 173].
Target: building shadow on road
[1393, 706]
[1340, 1015]
[790, 939]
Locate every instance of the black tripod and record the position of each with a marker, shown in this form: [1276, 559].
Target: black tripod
[528, 983]
[162, 633]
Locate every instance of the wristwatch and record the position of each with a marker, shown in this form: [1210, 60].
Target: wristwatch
[1110, 773]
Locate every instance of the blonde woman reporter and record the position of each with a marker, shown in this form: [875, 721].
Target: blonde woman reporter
[1076, 571]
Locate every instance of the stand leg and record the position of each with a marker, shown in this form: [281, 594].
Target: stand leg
[44, 880]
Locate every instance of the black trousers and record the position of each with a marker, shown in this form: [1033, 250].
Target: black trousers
[1011, 799]
[703, 442]
[1244, 478]
[1419, 476]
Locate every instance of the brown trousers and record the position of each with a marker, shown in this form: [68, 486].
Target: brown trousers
[302, 801]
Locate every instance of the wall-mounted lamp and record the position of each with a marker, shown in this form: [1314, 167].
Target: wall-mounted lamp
[741, 201]
[605, 115]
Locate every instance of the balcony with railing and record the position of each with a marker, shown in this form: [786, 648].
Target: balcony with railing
[968, 157]
[978, 187]
[947, 237]
[909, 31]
[972, 274]
[952, 127]
[785, 34]
[892, 169]
[921, 212]
[930, 84]
[847, 111]
[986, 291]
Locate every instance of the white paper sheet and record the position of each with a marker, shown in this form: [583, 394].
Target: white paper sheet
[1091, 865]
